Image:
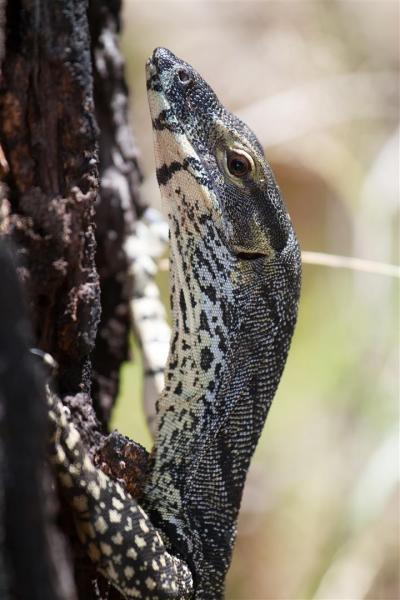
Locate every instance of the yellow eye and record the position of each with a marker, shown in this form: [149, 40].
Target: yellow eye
[239, 164]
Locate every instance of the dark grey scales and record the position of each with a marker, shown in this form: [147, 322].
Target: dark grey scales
[235, 284]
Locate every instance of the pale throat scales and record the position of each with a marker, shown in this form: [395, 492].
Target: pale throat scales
[204, 310]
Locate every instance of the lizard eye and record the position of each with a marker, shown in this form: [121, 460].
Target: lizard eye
[239, 164]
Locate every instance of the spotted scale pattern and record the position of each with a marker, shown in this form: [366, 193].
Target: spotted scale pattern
[114, 530]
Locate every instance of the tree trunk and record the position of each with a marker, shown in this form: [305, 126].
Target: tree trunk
[63, 120]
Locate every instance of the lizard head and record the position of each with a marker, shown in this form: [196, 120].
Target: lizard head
[216, 149]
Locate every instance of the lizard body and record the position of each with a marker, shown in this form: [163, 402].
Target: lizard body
[235, 284]
[235, 276]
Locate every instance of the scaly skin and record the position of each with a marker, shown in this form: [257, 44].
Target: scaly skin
[116, 533]
[235, 284]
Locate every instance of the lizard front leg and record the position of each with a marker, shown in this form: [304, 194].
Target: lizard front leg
[116, 533]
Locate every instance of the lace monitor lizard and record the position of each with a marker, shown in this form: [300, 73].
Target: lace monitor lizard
[235, 284]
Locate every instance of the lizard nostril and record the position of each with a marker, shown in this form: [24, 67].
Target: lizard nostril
[184, 77]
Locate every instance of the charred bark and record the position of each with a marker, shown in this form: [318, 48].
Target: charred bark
[49, 137]
[51, 202]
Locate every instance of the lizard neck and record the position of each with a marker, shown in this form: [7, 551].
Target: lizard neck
[205, 316]
[231, 336]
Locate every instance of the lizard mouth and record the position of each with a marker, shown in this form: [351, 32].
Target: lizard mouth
[160, 60]
[250, 256]
[164, 71]
[152, 76]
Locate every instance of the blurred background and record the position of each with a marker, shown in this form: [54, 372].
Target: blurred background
[318, 83]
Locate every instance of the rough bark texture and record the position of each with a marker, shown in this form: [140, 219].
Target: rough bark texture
[50, 205]
[49, 138]
[41, 571]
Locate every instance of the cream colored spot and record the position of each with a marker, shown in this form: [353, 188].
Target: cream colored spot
[131, 553]
[155, 566]
[94, 489]
[93, 552]
[80, 503]
[140, 542]
[117, 504]
[129, 572]
[74, 470]
[132, 591]
[117, 538]
[72, 438]
[128, 526]
[61, 455]
[115, 516]
[162, 561]
[143, 526]
[105, 549]
[103, 480]
[120, 491]
[150, 583]
[87, 464]
[101, 525]
[112, 573]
